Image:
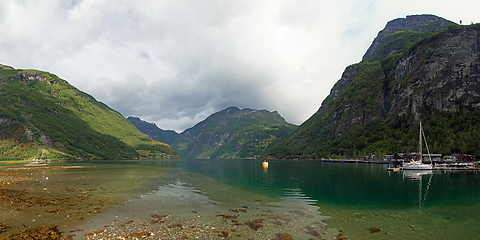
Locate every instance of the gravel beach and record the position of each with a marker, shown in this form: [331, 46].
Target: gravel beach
[173, 211]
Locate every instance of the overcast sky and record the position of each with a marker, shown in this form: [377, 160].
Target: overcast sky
[176, 62]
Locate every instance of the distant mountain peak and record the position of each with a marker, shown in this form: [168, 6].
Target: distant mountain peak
[154, 132]
[233, 132]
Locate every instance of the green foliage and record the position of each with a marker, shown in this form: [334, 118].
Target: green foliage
[356, 121]
[233, 133]
[369, 82]
[252, 141]
[41, 111]
[165, 136]
[398, 41]
[446, 133]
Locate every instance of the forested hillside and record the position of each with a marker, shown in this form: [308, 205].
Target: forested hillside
[410, 75]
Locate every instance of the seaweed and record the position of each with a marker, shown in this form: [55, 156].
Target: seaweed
[312, 231]
[255, 224]
[41, 233]
[223, 233]
[340, 235]
[374, 229]
[3, 228]
[284, 236]
[227, 216]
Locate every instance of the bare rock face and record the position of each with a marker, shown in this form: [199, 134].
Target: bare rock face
[442, 73]
[417, 23]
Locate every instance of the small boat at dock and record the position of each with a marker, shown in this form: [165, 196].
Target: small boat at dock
[418, 164]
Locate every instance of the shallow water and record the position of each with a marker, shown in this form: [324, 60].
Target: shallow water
[439, 205]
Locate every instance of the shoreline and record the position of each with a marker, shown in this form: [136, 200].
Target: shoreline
[173, 211]
[182, 204]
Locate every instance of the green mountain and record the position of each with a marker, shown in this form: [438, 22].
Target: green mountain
[419, 69]
[233, 133]
[154, 132]
[42, 116]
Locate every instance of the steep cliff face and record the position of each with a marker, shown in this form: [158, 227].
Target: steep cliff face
[233, 133]
[412, 28]
[435, 78]
[441, 74]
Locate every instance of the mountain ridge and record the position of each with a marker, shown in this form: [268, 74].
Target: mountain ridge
[42, 115]
[377, 104]
[233, 133]
[153, 131]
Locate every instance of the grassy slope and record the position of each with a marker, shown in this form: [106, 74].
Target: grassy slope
[63, 121]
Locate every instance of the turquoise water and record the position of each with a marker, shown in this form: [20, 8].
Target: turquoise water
[405, 205]
[357, 197]
[344, 184]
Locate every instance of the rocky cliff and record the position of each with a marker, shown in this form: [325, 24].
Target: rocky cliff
[433, 79]
[412, 27]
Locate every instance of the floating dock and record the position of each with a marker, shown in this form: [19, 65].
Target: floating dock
[394, 169]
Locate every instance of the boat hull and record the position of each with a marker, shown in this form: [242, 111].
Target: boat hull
[417, 166]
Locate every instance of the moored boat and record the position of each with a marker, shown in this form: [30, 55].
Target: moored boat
[418, 164]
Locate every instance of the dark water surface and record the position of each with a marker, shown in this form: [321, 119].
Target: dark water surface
[357, 197]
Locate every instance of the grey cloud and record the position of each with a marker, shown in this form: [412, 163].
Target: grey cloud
[176, 62]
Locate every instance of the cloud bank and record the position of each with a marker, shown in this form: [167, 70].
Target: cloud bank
[176, 62]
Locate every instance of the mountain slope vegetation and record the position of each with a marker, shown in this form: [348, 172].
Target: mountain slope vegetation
[154, 132]
[233, 133]
[409, 76]
[42, 115]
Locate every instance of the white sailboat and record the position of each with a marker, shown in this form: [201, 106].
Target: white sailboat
[418, 164]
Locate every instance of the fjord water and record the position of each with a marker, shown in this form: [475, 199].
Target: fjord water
[357, 197]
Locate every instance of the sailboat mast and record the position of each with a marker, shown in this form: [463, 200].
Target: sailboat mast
[426, 145]
[420, 142]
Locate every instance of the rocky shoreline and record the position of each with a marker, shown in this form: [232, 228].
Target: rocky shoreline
[85, 212]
